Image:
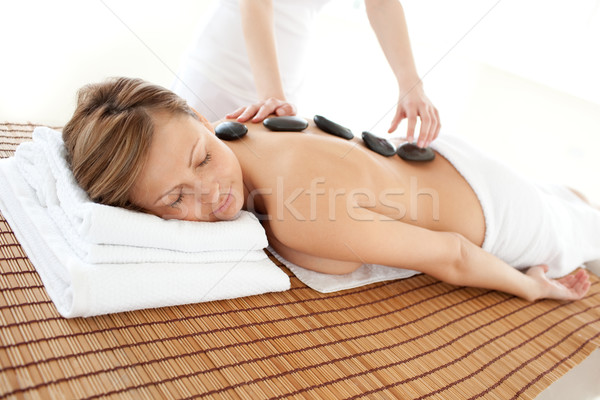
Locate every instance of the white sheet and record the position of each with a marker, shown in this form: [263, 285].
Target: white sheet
[326, 283]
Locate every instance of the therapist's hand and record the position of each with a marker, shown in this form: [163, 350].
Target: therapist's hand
[413, 105]
[261, 110]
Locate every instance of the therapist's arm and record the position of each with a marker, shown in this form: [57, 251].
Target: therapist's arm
[389, 24]
[259, 36]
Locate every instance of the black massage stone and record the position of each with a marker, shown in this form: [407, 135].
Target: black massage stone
[230, 130]
[412, 152]
[378, 144]
[332, 128]
[286, 123]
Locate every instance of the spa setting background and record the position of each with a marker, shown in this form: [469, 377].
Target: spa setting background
[518, 78]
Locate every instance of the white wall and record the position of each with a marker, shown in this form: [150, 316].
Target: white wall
[554, 42]
[51, 48]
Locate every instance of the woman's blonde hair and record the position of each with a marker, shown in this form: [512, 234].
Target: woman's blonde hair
[109, 135]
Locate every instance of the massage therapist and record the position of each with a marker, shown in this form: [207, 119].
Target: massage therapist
[254, 52]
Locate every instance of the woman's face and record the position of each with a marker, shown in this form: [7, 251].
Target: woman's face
[189, 174]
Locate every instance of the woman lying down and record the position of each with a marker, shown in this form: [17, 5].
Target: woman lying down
[330, 205]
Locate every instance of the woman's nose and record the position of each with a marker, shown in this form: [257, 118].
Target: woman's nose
[207, 193]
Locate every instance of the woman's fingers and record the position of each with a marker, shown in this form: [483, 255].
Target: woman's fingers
[570, 287]
[582, 282]
[579, 285]
[575, 286]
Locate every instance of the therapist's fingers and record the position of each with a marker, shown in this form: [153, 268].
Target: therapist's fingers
[285, 109]
[438, 125]
[431, 128]
[263, 113]
[395, 123]
[267, 108]
[424, 131]
[236, 113]
[248, 113]
[261, 110]
[439, 122]
[428, 126]
[400, 115]
[410, 129]
[274, 106]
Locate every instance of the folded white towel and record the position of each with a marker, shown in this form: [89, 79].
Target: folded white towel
[132, 228]
[326, 283]
[116, 254]
[104, 234]
[48, 220]
[44, 166]
[83, 289]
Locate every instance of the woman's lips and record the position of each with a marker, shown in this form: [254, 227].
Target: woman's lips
[225, 204]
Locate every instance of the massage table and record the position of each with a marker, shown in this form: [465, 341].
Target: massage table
[414, 338]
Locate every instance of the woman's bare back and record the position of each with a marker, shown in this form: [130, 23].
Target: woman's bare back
[316, 178]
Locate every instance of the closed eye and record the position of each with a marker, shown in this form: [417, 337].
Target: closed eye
[206, 160]
[181, 194]
[178, 201]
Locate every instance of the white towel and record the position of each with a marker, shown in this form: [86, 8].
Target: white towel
[43, 164]
[82, 288]
[526, 222]
[364, 275]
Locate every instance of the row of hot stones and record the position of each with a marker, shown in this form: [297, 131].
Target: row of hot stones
[232, 130]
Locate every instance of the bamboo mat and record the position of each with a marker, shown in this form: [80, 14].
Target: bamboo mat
[412, 339]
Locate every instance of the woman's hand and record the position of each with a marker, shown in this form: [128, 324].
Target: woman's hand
[263, 109]
[412, 105]
[570, 287]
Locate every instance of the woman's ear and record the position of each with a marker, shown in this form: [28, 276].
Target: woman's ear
[204, 121]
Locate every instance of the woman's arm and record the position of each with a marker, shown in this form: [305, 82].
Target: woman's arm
[367, 237]
[388, 21]
[258, 27]
[478, 268]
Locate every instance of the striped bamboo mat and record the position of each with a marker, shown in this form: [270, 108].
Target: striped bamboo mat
[411, 339]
